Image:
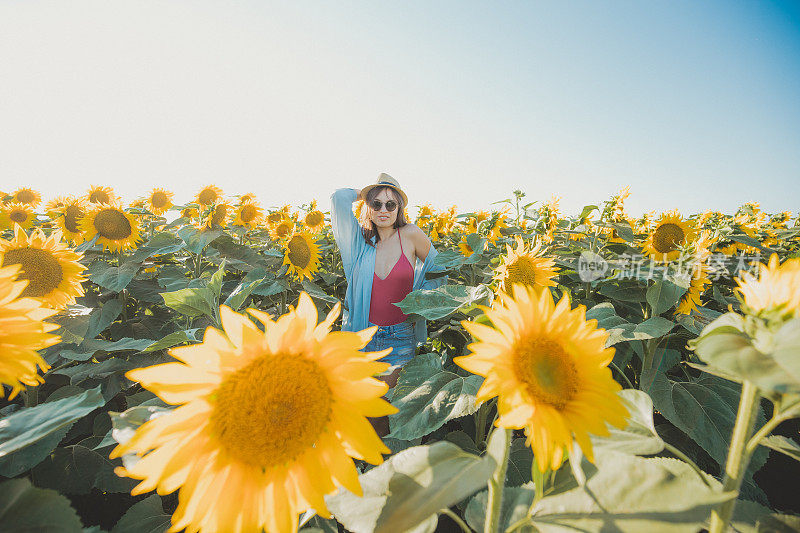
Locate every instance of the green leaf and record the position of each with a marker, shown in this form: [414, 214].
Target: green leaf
[778, 523]
[32, 509]
[173, 339]
[108, 367]
[92, 346]
[622, 493]
[215, 284]
[428, 396]
[663, 295]
[639, 437]
[111, 277]
[191, 302]
[102, 317]
[315, 291]
[781, 444]
[159, 244]
[705, 410]
[146, 516]
[724, 346]
[653, 328]
[238, 254]
[77, 470]
[196, 240]
[447, 260]
[411, 487]
[443, 301]
[20, 461]
[31, 424]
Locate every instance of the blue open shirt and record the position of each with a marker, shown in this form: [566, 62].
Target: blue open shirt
[358, 259]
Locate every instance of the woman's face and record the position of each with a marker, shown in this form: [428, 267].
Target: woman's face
[383, 218]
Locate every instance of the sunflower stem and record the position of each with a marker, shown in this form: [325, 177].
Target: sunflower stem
[538, 478]
[496, 485]
[457, 519]
[480, 425]
[738, 458]
[683, 457]
[773, 422]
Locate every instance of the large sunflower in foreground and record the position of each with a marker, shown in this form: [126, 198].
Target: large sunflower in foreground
[525, 266]
[159, 201]
[27, 196]
[15, 213]
[116, 230]
[302, 255]
[267, 424]
[68, 218]
[22, 332]
[670, 234]
[776, 289]
[208, 195]
[101, 195]
[548, 366]
[53, 272]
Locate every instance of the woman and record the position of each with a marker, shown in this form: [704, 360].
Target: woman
[383, 262]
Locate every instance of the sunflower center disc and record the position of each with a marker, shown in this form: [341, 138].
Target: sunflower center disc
[314, 218]
[282, 230]
[38, 266]
[248, 213]
[523, 270]
[207, 197]
[272, 410]
[546, 370]
[112, 224]
[158, 199]
[72, 214]
[667, 237]
[274, 218]
[26, 197]
[18, 216]
[299, 252]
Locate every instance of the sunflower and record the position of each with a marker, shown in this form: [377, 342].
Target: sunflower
[14, 213]
[282, 230]
[247, 197]
[465, 248]
[116, 229]
[68, 221]
[302, 255]
[497, 224]
[670, 234]
[22, 332]
[26, 196]
[208, 195]
[314, 219]
[159, 201]
[189, 212]
[54, 206]
[248, 214]
[52, 270]
[218, 216]
[525, 266]
[776, 288]
[101, 195]
[267, 424]
[548, 366]
[697, 286]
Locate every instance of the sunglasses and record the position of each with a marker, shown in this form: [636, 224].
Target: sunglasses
[377, 205]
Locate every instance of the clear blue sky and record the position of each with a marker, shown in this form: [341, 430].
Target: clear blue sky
[695, 105]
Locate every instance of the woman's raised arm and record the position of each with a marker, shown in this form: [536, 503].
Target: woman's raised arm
[346, 229]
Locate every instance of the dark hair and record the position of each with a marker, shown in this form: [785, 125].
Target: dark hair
[368, 228]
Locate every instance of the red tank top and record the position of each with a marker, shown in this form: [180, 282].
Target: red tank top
[392, 289]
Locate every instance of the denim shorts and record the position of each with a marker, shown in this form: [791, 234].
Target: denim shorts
[399, 337]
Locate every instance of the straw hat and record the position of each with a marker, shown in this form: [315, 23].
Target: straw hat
[385, 180]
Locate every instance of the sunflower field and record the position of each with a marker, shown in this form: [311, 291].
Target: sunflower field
[170, 367]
